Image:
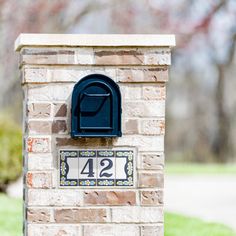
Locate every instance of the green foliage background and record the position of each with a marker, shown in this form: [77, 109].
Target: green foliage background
[10, 151]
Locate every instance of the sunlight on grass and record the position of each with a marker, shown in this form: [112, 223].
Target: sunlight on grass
[10, 216]
[193, 168]
[177, 225]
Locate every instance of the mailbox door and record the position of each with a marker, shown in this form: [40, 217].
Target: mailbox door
[96, 108]
[95, 104]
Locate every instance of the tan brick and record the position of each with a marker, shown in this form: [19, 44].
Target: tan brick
[37, 215]
[149, 198]
[75, 74]
[39, 179]
[84, 56]
[59, 127]
[137, 215]
[53, 230]
[50, 92]
[131, 126]
[42, 161]
[39, 127]
[39, 110]
[153, 127]
[78, 212]
[154, 92]
[145, 75]
[152, 161]
[84, 142]
[35, 75]
[48, 56]
[65, 75]
[131, 91]
[111, 230]
[60, 110]
[79, 215]
[109, 198]
[158, 56]
[149, 230]
[149, 180]
[54, 197]
[144, 109]
[38, 145]
[118, 57]
[144, 143]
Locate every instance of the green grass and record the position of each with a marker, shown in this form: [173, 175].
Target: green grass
[193, 168]
[10, 216]
[175, 225]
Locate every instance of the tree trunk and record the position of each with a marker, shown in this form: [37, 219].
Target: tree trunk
[221, 145]
[3, 188]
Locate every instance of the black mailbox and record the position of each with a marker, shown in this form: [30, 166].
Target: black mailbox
[96, 108]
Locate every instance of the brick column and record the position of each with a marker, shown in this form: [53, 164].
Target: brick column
[51, 65]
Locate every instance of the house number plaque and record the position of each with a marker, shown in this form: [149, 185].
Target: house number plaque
[93, 168]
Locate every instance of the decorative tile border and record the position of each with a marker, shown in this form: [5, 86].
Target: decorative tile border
[96, 168]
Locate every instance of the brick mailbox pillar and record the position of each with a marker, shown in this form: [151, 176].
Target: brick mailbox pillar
[93, 186]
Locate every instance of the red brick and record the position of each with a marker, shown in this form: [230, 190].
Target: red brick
[152, 161]
[39, 127]
[159, 74]
[147, 180]
[39, 180]
[39, 110]
[59, 126]
[154, 92]
[38, 145]
[47, 56]
[73, 215]
[110, 198]
[121, 57]
[149, 198]
[36, 215]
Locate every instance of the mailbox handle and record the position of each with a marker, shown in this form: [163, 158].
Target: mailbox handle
[96, 95]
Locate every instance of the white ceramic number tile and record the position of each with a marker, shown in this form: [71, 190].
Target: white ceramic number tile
[120, 168]
[87, 171]
[73, 164]
[97, 168]
[106, 168]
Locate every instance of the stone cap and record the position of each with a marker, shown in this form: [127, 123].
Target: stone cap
[112, 40]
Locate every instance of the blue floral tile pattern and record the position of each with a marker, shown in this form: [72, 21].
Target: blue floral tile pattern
[91, 168]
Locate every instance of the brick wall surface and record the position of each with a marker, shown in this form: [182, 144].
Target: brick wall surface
[48, 77]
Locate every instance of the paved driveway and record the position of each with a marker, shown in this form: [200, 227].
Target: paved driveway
[210, 197]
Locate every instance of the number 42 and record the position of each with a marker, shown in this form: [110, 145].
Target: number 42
[88, 169]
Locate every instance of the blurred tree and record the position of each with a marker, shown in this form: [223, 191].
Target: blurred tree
[29, 16]
[204, 29]
[201, 93]
[10, 155]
